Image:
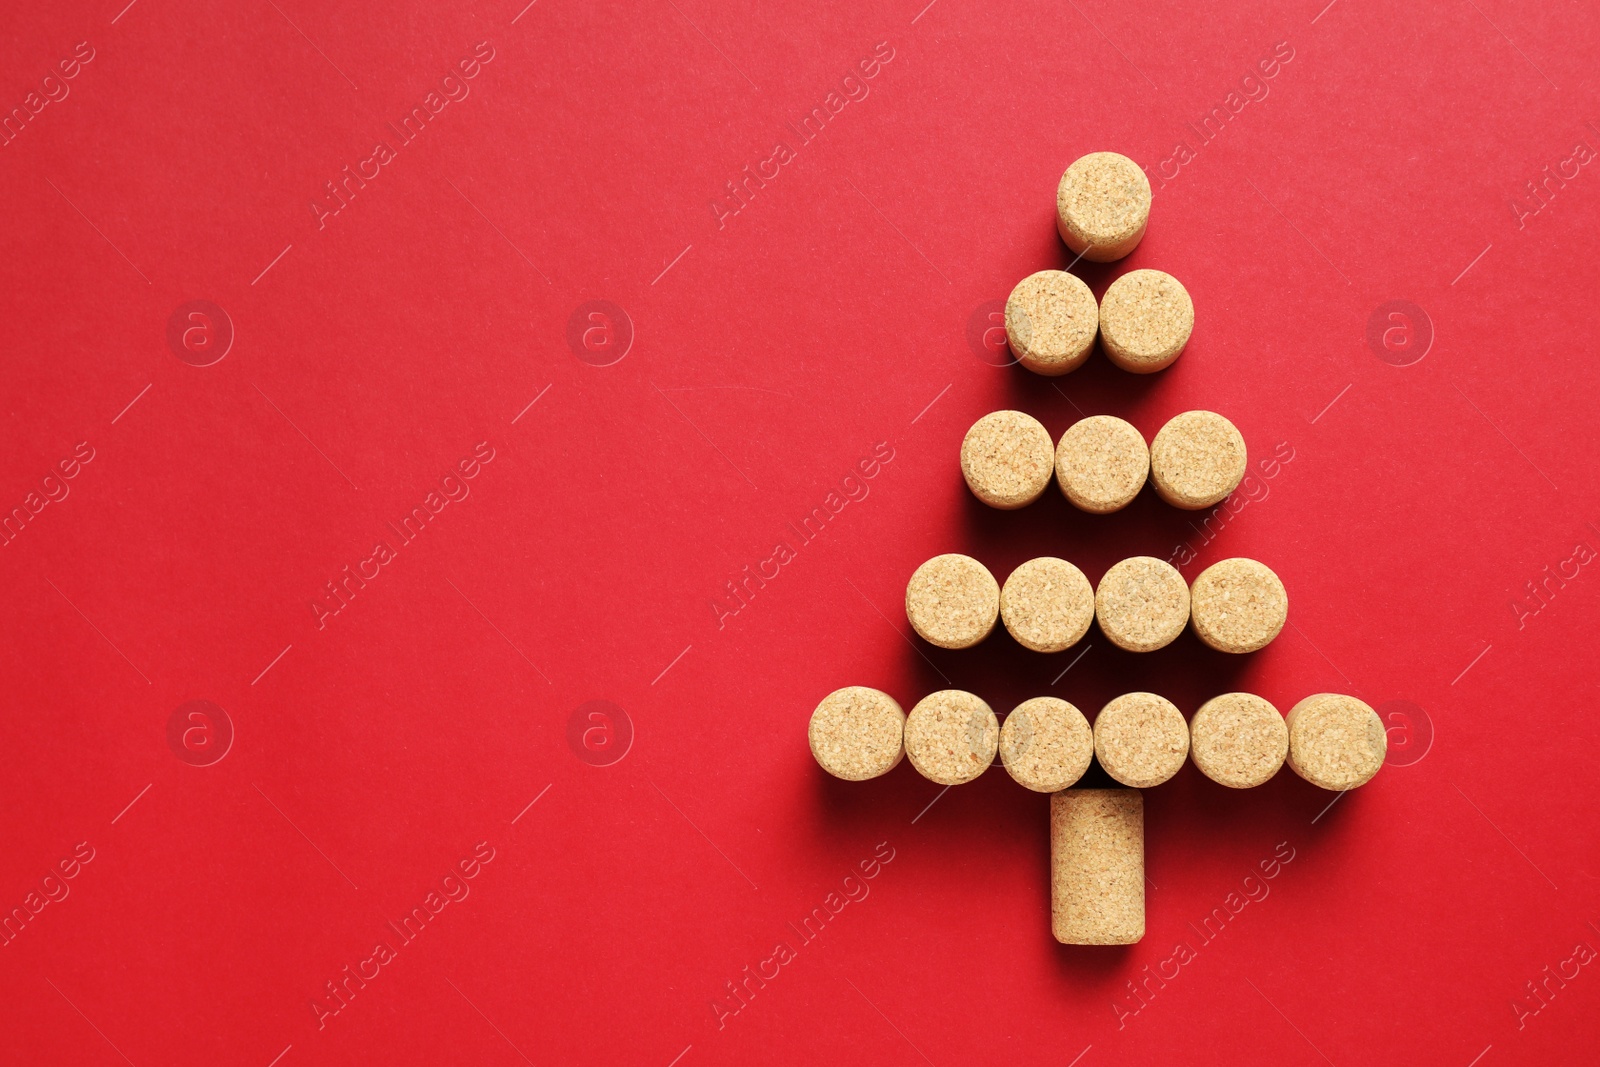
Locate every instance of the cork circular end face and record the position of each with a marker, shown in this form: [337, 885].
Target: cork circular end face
[1046, 744]
[1101, 464]
[1007, 459]
[1141, 739]
[1103, 206]
[1047, 604]
[1336, 742]
[856, 733]
[1142, 604]
[1051, 321]
[951, 737]
[1238, 605]
[1238, 740]
[1197, 459]
[1146, 317]
[952, 601]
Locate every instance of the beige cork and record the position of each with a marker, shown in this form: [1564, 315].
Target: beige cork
[1238, 605]
[1146, 317]
[1007, 459]
[1097, 866]
[1102, 463]
[1051, 321]
[951, 736]
[1047, 604]
[1141, 739]
[1046, 744]
[1197, 459]
[1102, 206]
[856, 733]
[1336, 742]
[952, 601]
[1238, 740]
[1142, 604]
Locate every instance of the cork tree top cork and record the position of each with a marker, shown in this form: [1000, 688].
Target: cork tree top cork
[1102, 206]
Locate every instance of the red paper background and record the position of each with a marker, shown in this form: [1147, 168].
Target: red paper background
[772, 350]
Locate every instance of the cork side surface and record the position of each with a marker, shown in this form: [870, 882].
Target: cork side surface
[1047, 604]
[952, 601]
[1142, 604]
[1102, 206]
[856, 733]
[951, 736]
[1097, 866]
[1007, 459]
[1238, 605]
[1101, 464]
[1051, 322]
[1197, 459]
[1046, 744]
[1141, 739]
[1336, 742]
[1238, 740]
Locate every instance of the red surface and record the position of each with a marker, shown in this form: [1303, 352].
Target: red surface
[772, 351]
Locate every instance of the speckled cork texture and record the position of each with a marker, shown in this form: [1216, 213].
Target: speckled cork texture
[856, 733]
[1051, 322]
[1142, 604]
[1046, 744]
[1197, 459]
[952, 601]
[1238, 605]
[1141, 739]
[1101, 464]
[1238, 740]
[1102, 206]
[1146, 317]
[1047, 604]
[1097, 866]
[951, 736]
[1007, 459]
[1336, 742]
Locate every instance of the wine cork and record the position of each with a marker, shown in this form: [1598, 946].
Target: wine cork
[1097, 866]
[1102, 206]
[1046, 744]
[952, 601]
[1238, 740]
[1142, 604]
[1196, 460]
[1047, 604]
[1238, 605]
[1146, 317]
[1101, 464]
[951, 736]
[1051, 322]
[1007, 458]
[1141, 739]
[1336, 742]
[856, 733]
